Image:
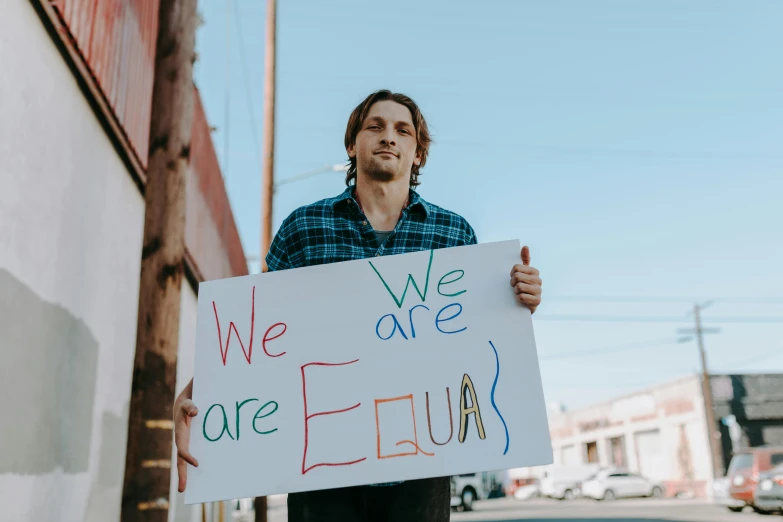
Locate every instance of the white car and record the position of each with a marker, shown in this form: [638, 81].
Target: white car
[721, 496]
[562, 482]
[527, 492]
[610, 484]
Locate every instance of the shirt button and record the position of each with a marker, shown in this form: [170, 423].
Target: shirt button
[364, 223]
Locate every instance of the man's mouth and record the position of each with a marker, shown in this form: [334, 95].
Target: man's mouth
[386, 153]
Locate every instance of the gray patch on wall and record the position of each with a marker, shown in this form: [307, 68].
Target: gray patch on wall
[106, 492]
[114, 436]
[47, 383]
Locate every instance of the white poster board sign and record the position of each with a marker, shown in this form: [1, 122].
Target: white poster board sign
[361, 372]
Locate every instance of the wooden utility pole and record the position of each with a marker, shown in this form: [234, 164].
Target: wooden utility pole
[713, 432]
[146, 487]
[712, 428]
[268, 168]
[268, 175]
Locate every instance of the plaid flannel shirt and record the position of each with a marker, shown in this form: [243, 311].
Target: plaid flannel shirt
[336, 229]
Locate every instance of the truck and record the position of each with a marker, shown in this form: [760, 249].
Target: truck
[469, 487]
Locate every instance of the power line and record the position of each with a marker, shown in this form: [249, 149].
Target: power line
[628, 153]
[246, 78]
[755, 360]
[653, 319]
[227, 96]
[611, 349]
[652, 299]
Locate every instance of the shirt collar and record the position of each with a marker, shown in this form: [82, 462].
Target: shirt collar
[415, 201]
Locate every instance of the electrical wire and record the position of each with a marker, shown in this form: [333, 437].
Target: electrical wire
[651, 299]
[610, 349]
[246, 78]
[749, 362]
[227, 96]
[654, 319]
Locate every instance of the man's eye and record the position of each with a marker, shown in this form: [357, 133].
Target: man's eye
[373, 127]
[404, 131]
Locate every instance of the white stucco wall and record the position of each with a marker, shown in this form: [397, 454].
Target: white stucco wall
[71, 224]
[70, 231]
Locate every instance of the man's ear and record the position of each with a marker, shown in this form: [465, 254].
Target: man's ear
[351, 150]
[417, 159]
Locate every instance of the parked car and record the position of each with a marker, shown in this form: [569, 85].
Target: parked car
[609, 484]
[721, 496]
[563, 482]
[527, 491]
[514, 481]
[744, 470]
[768, 496]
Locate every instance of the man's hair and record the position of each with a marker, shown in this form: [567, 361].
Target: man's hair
[358, 116]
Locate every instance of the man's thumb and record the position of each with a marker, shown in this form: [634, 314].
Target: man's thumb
[526, 256]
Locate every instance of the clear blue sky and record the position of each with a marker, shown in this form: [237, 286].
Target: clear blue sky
[637, 147]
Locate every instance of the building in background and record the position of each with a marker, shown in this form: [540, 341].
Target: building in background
[748, 410]
[75, 96]
[661, 432]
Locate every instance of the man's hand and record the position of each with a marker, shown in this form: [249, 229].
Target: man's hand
[526, 283]
[184, 411]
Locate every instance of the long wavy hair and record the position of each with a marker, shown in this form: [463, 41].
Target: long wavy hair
[358, 116]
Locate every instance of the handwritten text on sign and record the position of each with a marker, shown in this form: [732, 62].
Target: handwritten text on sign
[391, 368]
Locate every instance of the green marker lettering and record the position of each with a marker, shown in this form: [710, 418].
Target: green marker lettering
[401, 300]
[444, 283]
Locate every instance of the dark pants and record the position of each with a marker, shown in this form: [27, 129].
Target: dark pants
[425, 500]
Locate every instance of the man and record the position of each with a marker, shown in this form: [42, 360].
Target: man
[387, 141]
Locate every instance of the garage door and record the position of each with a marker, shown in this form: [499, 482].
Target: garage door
[649, 449]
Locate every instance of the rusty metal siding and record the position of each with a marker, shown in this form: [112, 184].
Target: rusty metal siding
[117, 41]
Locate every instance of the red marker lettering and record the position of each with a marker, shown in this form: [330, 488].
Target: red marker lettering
[232, 327]
[307, 416]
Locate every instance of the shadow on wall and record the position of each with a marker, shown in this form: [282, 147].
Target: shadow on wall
[47, 380]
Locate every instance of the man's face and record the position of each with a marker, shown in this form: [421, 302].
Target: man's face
[385, 147]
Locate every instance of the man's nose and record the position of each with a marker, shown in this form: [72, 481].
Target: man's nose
[388, 138]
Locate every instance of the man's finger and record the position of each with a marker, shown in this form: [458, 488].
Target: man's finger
[524, 288]
[520, 277]
[529, 299]
[185, 455]
[182, 474]
[188, 407]
[526, 256]
[182, 441]
[525, 269]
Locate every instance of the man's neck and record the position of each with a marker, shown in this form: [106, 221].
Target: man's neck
[382, 202]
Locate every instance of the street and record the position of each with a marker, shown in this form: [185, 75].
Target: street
[642, 510]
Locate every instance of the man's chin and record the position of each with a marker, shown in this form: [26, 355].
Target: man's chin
[381, 175]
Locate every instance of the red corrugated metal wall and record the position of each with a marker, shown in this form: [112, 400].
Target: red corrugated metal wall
[117, 40]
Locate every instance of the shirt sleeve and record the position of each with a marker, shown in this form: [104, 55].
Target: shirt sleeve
[278, 256]
[470, 235]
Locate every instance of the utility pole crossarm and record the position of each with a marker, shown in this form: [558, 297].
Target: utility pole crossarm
[693, 331]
